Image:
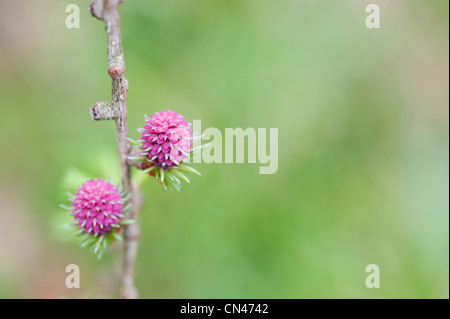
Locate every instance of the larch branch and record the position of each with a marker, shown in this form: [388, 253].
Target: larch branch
[108, 11]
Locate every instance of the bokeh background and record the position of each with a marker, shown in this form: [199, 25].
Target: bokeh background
[363, 147]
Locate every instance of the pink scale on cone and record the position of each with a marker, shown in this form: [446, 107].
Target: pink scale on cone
[167, 138]
[93, 201]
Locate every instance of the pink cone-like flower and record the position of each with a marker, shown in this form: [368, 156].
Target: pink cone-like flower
[167, 138]
[97, 206]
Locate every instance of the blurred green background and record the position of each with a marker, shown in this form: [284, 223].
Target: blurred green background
[363, 147]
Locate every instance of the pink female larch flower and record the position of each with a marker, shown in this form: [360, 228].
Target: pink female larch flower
[166, 139]
[97, 206]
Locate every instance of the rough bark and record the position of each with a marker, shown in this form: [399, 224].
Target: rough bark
[103, 111]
